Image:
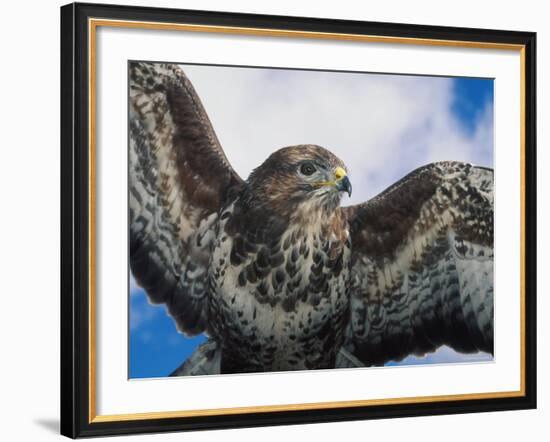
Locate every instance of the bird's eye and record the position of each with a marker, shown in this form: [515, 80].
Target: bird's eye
[307, 169]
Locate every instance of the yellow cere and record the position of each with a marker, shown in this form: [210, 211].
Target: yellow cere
[339, 173]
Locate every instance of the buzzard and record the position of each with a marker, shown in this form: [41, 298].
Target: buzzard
[275, 272]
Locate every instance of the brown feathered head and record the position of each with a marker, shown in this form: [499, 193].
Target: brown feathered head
[299, 178]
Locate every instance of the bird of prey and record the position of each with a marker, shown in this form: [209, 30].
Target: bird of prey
[275, 272]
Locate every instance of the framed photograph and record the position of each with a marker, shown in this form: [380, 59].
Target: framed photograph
[274, 220]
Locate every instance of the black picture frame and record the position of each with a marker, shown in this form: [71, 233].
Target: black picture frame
[75, 220]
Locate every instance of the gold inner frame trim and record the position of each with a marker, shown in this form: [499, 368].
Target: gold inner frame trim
[299, 34]
[93, 24]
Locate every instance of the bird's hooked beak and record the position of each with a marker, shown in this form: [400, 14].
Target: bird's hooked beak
[341, 180]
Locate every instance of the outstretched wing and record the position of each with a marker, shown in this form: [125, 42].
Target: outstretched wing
[422, 265]
[179, 179]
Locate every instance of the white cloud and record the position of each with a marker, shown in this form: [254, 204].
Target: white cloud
[445, 354]
[381, 126]
[134, 286]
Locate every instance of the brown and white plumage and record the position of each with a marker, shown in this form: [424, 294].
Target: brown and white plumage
[422, 265]
[275, 272]
[179, 177]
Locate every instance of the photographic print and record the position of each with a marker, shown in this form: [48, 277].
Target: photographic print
[297, 215]
[285, 219]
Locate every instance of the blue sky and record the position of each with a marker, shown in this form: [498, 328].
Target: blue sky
[471, 96]
[156, 347]
[382, 126]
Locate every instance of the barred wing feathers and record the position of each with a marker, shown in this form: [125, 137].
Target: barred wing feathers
[179, 179]
[422, 265]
